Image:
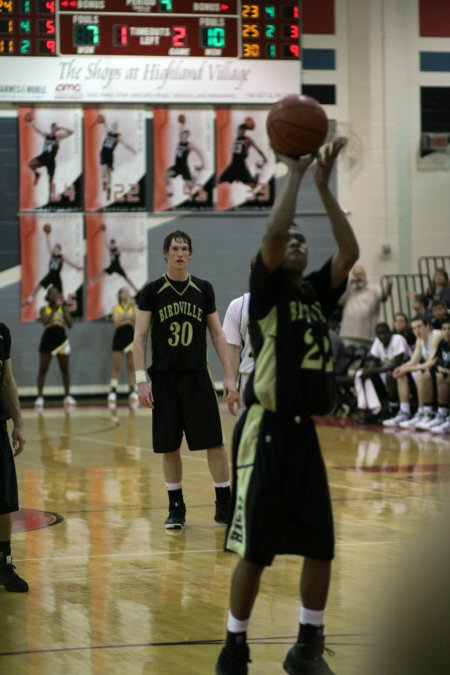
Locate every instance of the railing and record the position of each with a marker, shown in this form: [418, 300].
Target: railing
[429, 264]
[403, 288]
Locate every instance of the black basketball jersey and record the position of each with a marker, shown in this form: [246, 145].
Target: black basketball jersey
[443, 354]
[240, 149]
[5, 354]
[182, 152]
[110, 141]
[50, 145]
[289, 331]
[56, 262]
[179, 322]
[114, 255]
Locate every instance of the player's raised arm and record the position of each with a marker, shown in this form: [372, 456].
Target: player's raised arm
[283, 211]
[347, 247]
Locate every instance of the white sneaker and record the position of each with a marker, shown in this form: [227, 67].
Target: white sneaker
[112, 397]
[69, 400]
[39, 402]
[399, 417]
[413, 422]
[443, 428]
[431, 421]
[133, 397]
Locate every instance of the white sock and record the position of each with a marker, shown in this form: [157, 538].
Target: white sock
[174, 486]
[405, 407]
[312, 616]
[227, 483]
[236, 625]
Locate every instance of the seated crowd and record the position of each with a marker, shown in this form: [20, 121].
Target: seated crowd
[402, 376]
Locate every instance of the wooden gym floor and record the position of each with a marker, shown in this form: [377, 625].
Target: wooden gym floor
[111, 592]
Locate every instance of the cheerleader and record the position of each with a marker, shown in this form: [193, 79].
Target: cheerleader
[123, 314]
[56, 318]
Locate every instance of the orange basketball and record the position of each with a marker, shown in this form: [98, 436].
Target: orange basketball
[182, 119]
[103, 227]
[100, 119]
[28, 117]
[47, 228]
[297, 125]
[249, 123]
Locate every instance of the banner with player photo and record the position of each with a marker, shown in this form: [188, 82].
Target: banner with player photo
[114, 159]
[183, 158]
[245, 160]
[51, 249]
[50, 156]
[116, 258]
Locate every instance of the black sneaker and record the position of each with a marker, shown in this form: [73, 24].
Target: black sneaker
[177, 516]
[233, 660]
[9, 577]
[222, 514]
[306, 659]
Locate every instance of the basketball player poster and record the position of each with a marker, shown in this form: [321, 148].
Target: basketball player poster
[50, 156]
[183, 158]
[114, 159]
[51, 251]
[245, 161]
[116, 258]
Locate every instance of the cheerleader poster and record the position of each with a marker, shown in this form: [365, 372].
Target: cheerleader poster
[52, 255]
[116, 258]
[114, 159]
[245, 161]
[50, 156]
[183, 159]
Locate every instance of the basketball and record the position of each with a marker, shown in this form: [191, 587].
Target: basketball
[249, 123]
[100, 119]
[296, 125]
[47, 228]
[103, 227]
[181, 119]
[28, 117]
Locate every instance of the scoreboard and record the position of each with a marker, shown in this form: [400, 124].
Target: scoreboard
[252, 40]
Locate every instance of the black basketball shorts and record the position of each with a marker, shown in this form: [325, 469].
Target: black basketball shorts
[185, 403]
[9, 498]
[281, 501]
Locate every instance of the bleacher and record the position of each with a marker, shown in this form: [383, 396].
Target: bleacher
[405, 285]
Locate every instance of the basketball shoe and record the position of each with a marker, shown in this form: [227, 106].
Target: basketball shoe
[222, 513]
[9, 577]
[305, 658]
[177, 516]
[233, 660]
[394, 421]
[413, 421]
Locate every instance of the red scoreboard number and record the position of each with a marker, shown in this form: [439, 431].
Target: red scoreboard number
[262, 29]
[27, 28]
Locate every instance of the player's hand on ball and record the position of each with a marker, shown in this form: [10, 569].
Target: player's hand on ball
[299, 164]
[326, 158]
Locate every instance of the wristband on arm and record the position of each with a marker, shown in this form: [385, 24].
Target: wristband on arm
[140, 376]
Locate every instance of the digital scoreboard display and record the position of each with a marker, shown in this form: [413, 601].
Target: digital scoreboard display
[260, 30]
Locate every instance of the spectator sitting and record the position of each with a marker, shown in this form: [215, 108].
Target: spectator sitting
[402, 327]
[361, 302]
[419, 304]
[439, 314]
[376, 389]
[443, 381]
[419, 365]
[439, 288]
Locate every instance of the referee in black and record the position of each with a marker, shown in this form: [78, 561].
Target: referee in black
[281, 502]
